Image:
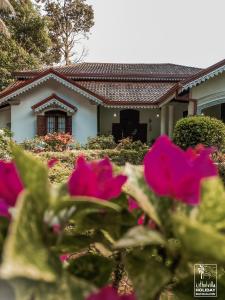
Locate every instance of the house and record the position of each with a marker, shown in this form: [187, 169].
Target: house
[86, 99]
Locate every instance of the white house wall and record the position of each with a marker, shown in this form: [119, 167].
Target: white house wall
[84, 121]
[5, 117]
[210, 91]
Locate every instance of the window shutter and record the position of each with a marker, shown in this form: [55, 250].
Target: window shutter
[41, 125]
[69, 124]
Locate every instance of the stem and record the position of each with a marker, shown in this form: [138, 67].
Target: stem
[118, 272]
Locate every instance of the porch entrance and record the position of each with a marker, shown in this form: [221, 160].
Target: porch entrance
[130, 126]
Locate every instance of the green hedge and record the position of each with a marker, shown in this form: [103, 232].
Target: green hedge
[66, 160]
[196, 130]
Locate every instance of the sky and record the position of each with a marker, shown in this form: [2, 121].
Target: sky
[188, 32]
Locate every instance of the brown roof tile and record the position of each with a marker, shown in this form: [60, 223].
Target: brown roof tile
[121, 71]
[129, 92]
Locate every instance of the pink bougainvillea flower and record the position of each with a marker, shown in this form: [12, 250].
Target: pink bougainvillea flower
[10, 187]
[172, 172]
[52, 162]
[132, 204]
[64, 257]
[95, 179]
[108, 293]
[56, 228]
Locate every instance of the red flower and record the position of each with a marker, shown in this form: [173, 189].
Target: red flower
[132, 204]
[64, 257]
[95, 179]
[108, 293]
[52, 162]
[10, 187]
[172, 172]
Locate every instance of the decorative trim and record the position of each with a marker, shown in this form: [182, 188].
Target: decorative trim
[54, 103]
[132, 106]
[212, 100]
[204, 78]
[41, 79]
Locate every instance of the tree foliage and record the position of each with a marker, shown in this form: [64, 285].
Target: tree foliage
[28, 46]
[69, 22]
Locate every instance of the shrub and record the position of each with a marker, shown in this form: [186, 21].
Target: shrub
[35, 145]
[196, 130]
[57, 141]
[101, 142]
[5, 138]
[51, 142]
[129, 144]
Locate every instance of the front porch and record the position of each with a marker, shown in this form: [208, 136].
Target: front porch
[144, 124]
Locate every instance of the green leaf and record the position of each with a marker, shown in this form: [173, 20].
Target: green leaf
[199, 239]
[83, 202]
[137, 188]
[67, 288]
[93, 268]
[25, 253]
[34, 175]
[148, 276]
[212, 206]
[140, 236]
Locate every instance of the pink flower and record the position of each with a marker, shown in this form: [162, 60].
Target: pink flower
[56, 228]
[10, 187]
[64, 257]
[172, 172]
[52, 162]
[95, 179]
[132, 204]
[108, 293]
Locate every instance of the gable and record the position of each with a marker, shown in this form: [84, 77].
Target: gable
[24, 86]
[204, 75]
[210, 88]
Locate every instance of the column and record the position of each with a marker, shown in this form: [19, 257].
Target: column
[163, 120]
[191, 108]
[171, 120]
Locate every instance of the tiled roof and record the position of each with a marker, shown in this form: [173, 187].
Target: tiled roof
[113, 84]
[129, 92]
[120, 71]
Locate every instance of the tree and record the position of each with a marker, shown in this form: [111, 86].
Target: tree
[5, 6]
[29, 29]
[13, 57]
[69, 22]
[29, 44]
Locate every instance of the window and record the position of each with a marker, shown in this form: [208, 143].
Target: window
[56, 121]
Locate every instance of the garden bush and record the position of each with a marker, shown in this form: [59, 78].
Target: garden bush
[67, 159]
[57, 142]
[101, 142]
[129, 144]
[134, 222]
[195, 130]
[5, 138]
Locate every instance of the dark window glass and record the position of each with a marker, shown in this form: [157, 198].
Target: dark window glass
[56, 121]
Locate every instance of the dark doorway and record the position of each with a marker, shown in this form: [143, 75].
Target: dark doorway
[130, 126]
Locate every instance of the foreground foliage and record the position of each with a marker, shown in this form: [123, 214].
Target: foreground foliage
[65, 242]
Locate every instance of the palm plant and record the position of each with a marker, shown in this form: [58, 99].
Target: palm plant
[5, 6]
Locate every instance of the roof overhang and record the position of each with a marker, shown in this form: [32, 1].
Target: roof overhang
[204, 75]
[54, 102]
[45, 76]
